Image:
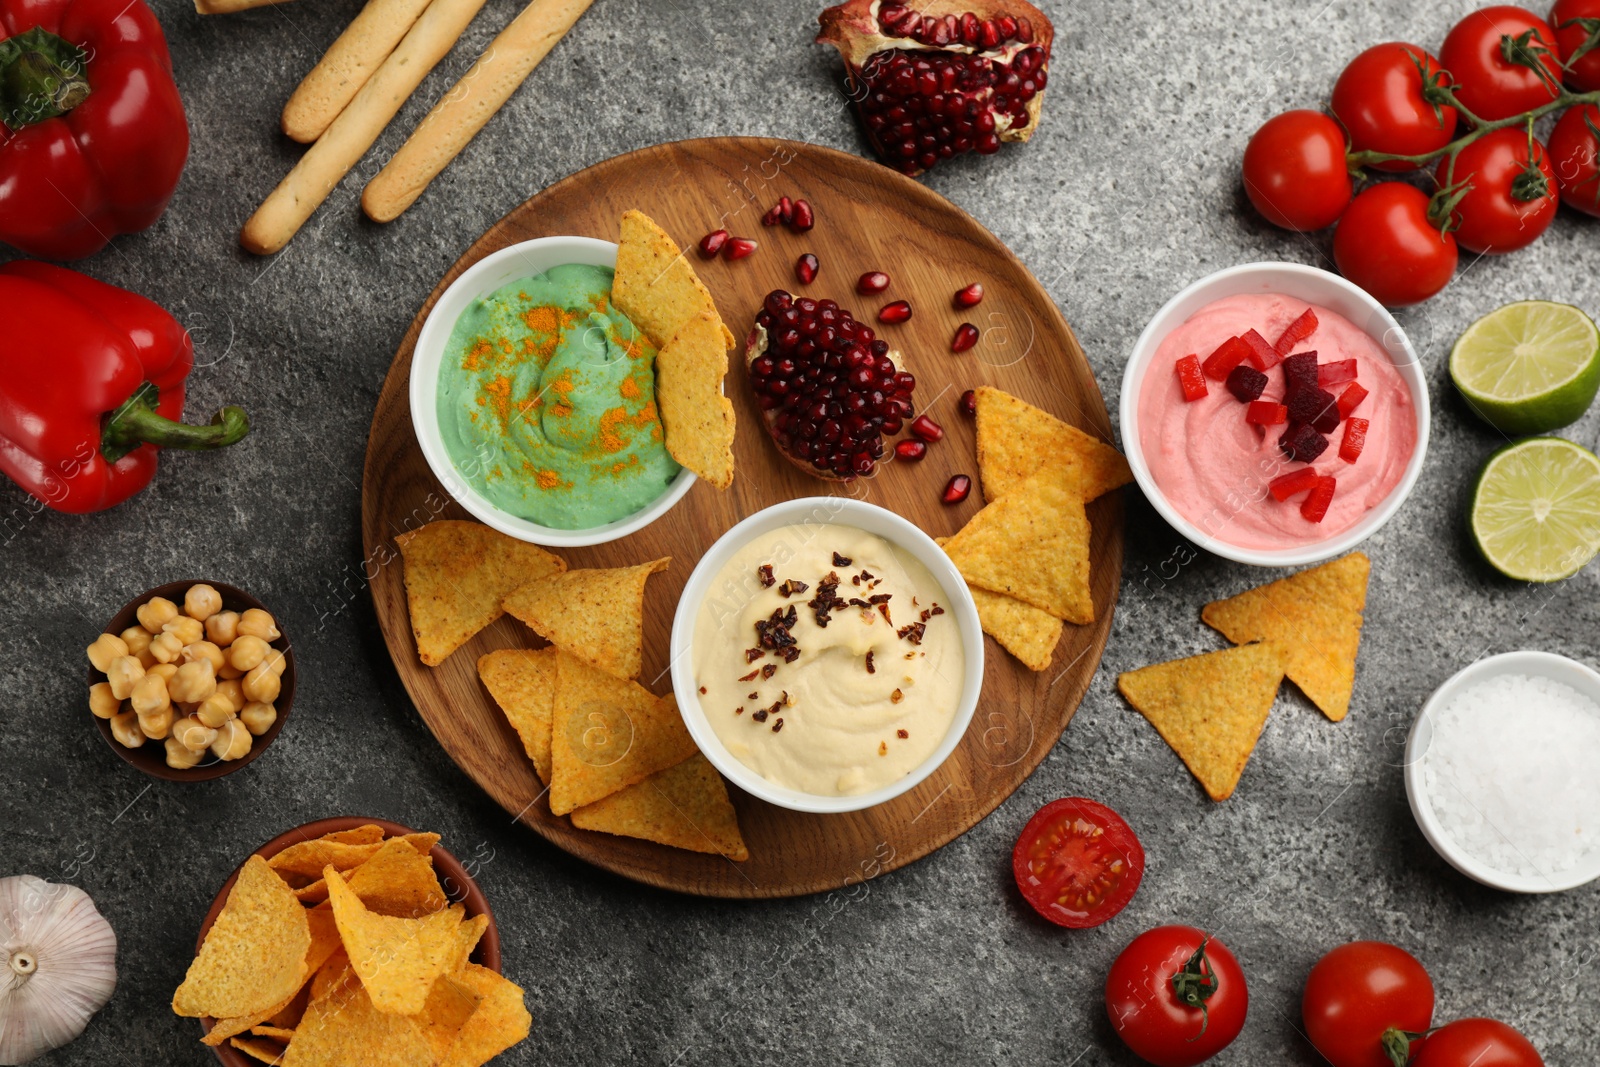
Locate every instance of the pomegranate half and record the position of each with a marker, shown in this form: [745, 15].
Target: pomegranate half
[943, 77]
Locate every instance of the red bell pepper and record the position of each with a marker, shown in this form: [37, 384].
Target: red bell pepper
[92, 131]
[1191, 379]
[91, 385]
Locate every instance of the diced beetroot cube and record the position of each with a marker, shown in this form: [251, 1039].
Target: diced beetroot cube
[1315, 506]
[1246, 383]
[1336, 373]
[1191, 378]
[1296, 481]
[1351, 399]
[1263, 355]
[1296, 331]
[1228, 355]
[1302, 443]
[1266, 413]
[1355, 439]
[1300, 371]
[1316, 407]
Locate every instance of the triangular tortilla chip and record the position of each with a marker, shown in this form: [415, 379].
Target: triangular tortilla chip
[223, 1029]
[499, 1021]
[685, 806]
[254, 956]
[607, 734]
[398, 880]
[360, 835]
[1032, 544]
[596, 615]
[266, 1051]
[467, 938]
[450, 1004]
[457, 575]
[343, 1026]
[277, 1033]
[398, 960]
[1315, 617]
[306, 859]
[655, 287]
[1210, 708]
[698, 419]
[523, 683]
[1016, 439]
[1028, 633]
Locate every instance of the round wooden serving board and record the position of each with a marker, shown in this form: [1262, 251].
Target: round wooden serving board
[868, 218]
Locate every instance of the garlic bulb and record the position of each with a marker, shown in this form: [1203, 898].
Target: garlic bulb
[58, 965]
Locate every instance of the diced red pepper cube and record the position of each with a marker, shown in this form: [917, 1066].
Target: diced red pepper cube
[1266, 413]
[1296, 331]
[1228, 355]
[1355, 439]
[1336, 373]
[1263, 355]
[1296, 481]
[1191, 378]
[1315, 506]
[1351, 399]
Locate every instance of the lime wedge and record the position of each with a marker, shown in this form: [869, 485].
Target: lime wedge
[1536, 509]
[1528, 367]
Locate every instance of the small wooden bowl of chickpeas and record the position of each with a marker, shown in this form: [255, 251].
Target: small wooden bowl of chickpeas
[191, 681]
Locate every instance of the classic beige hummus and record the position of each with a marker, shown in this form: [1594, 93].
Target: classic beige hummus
[826, 659]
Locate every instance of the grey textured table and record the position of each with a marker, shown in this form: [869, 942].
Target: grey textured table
[1129, 191]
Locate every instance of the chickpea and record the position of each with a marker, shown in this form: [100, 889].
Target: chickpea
[193, 682]
[204, 650]
[215, 710]
[248, 651]
[149, 695]
[233, 689]
[187, 707]
[122, 672]
[258, 717]
[185, 629]
[137, 638]
[146, 658]
[222, 628]
[156, 725]
[102, 701]
[261, 684]
[125, 728]
[181, 758]
[106, 648]
[233, 741]
[191, 733]
[277, 661]
[257, 623]
[166, 648]
[155, 613]
[229, 671]
[164, 671]
[201, 602]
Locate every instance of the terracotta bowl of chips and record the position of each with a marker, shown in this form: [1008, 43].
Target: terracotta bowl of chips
[151, 756]
[492, 272]
[453, 878]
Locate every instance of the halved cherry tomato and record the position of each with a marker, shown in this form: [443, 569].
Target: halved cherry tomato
[1379, 100]
[1356, 994]
[1176, 997]
[1574, 149]
[1577, 26]
[1507, 205]
[1486, 82]
[1386, 245]
[1077, 862]
[1476, 1043]
[1295, 171]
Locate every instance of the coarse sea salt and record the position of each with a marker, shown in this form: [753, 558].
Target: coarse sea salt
[1513, 773]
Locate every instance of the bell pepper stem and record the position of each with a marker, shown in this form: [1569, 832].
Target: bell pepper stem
[41, 77]
[137, 423]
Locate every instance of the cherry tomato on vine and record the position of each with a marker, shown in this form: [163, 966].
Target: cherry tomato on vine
[1486, 80]
[1176, 997]
[1577, 26]
[1506, 205]
[1574, 146]
[1386, 244]
[1295, 171]
[1077, 862]
[1357, 993]
[1379, 100]
[1476, 1043]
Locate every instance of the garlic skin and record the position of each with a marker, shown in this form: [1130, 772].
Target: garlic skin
[58, 965]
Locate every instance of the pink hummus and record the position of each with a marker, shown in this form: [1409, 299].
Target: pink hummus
[1213, 467]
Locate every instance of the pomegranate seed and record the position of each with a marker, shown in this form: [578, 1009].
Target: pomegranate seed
[712, 243]
[966, 336]
[970, 297]
[874, 281]
[803, 218]
[926, 428]
[912, 450]
[956, 489]
[806, 267]
[782, 211]
[895, 313]
[738, 248]
[968, 402]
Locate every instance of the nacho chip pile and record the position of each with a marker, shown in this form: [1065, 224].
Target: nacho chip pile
[376, 973]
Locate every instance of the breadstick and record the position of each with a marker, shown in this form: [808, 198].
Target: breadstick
[349, 62]
[228, 7]
[470, 103]
[305, 187]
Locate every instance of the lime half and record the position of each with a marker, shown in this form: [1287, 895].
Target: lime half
[1536, 509]
[1528, 367]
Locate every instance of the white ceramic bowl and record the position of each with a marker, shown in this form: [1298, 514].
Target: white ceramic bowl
[840, 511]
[482, 278]
[1537, 664]
[1315, 287]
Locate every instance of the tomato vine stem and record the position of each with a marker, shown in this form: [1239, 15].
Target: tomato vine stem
[1480, 127]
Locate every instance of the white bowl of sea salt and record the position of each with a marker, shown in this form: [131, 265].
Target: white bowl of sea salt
[1503, 772]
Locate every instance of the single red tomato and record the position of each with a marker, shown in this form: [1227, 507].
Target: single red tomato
[1574, 148]
[1077, 862]
[1379, 100]
[1386, 244]
[1476, 1043]
[1577, 26]
[1507, 204]
[1357, 994]
[1176, 996]
[1295, 171]
[1486, 81]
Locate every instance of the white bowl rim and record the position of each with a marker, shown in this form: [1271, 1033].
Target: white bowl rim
[1155, 332]
[842, 511]
[1549, 665]
[546, 252]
